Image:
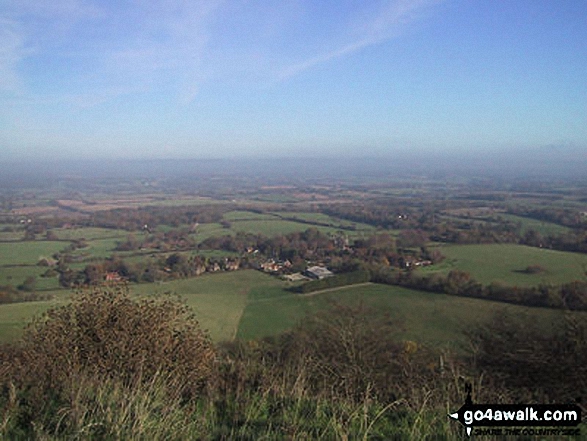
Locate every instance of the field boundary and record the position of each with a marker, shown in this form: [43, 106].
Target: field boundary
[313, 293]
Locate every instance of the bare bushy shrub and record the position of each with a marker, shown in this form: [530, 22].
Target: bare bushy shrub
[106, 334]
[533, 360]
[355, 350]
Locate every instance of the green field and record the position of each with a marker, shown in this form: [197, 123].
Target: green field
[239, 215]
[11, 236]
[204, 231]
[544, 228]
[16, 275]
[28, 253]
[433, 319]
[276, 227]
[505, 264]
[218, 300]
[89, 233]
[250, 304]
[281, 223]
[15, 316]
[100, 247]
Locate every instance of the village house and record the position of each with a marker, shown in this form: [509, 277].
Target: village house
[410, 262]
[113, 277]
[231, 265]
[275, 266]
[214, 267]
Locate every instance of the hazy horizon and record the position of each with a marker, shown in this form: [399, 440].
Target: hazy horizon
[250, 79]
[544, 164]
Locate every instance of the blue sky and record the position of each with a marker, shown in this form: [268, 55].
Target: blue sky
[234, 78]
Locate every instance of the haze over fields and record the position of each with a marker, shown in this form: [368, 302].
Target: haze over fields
[295, 78]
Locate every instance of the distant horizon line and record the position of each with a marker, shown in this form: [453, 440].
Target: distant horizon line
[407, 154]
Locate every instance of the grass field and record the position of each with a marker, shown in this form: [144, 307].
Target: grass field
[272, 224]
[89, 233]
[238, 215]
[250, 304]
[204, 231]
[15, 316]
[505, 264]
[28, 253]
[433, 319]
[16, 275]
[544, 228]
[218, 300]
[11, 236]
[100, 247]
[352, 229]
[276, 227]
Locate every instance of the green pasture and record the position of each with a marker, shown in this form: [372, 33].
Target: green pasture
[250, 304]
[218, 300]
[506, 263]
[433, 319]
[89, 233]
[204, 231]
[239, 215]
[14, 317]
[276, 227]
[101, 247]
[15, 275]
[28, 253]
[326, 219]
[544, 228]
[10, 236]
[270, 224]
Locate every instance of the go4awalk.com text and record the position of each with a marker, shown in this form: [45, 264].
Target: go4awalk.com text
[519, 419]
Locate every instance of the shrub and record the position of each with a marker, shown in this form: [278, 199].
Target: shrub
[534, 360]
[534, 269]
[104, 335]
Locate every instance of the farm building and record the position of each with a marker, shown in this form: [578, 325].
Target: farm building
[318, 272]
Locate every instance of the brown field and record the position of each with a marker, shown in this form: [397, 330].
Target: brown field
[26, 211]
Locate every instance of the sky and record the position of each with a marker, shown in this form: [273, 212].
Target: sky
[179, 79]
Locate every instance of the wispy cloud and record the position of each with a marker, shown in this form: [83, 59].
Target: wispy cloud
[392, 19]
[12, 51]
[105, 51]
[167, 46]
[178, 47]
